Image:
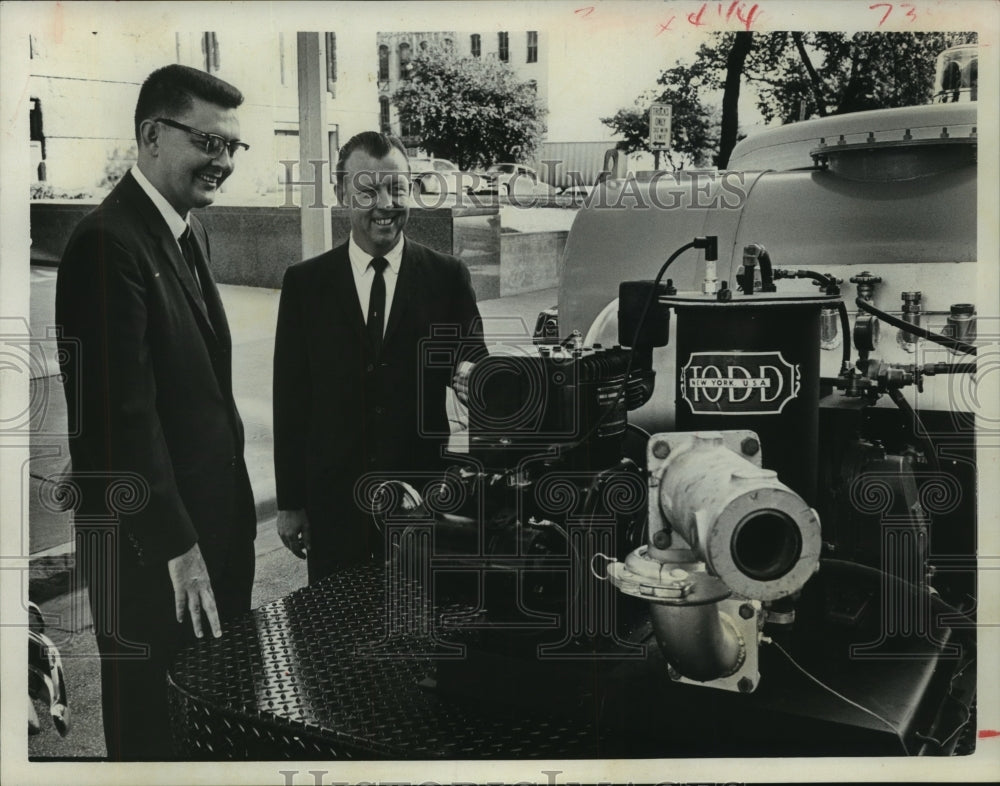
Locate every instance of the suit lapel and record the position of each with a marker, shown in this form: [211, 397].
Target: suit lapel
[210, 301]
[179, 265]
[131, 193]
[344, 292]
[401, 297]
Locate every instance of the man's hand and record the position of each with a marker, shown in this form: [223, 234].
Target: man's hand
[460, 382]
[293, 529]
[193, 590]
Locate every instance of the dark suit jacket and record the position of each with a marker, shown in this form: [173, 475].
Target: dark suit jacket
[338, 411]
[148, 372]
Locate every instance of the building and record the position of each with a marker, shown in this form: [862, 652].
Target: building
[83, 88]
[567, 155]
[525, 51]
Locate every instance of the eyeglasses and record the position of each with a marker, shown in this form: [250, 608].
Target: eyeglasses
[211, 144]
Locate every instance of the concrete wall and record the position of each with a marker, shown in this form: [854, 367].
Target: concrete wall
[252, 246]
[51, 225]
[531, 261]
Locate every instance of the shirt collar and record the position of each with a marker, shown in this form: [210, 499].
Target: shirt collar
[361, 258]
[175, 222]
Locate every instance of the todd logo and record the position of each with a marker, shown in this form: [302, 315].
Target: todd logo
[739, 383]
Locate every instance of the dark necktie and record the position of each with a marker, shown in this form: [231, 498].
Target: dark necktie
[376, 305]
[206, 292]
[191, 257]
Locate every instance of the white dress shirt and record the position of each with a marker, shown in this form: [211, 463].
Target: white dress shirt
[175, 221]
[364, 275]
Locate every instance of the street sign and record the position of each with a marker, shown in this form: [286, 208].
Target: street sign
[659, 126]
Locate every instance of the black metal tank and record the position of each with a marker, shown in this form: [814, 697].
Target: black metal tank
[753, 363]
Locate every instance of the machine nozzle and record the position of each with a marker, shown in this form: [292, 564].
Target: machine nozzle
[711, 245]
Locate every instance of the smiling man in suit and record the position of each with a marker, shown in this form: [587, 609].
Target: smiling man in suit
[151, 409]
[352, 394]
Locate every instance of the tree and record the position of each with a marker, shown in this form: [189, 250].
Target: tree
[693, 132]
[735, 63]
[796, 76]
[471, 110]
[801, 75]
[633, 125]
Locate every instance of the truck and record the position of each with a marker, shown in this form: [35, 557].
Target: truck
[806, 321]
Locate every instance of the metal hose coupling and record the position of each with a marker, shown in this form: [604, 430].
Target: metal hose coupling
[748, 528]
[725, 535]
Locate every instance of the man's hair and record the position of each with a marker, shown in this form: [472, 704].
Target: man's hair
[171, 91]
[371, 142]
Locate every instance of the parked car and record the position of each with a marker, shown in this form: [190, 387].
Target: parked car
[441, 176]
[506, 179]
[573, 195]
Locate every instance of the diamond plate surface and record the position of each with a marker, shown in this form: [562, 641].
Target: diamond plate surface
[335, 671]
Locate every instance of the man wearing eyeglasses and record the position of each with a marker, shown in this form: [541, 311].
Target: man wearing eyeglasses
[166, 517]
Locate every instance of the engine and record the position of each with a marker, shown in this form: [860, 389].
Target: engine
[545, 484]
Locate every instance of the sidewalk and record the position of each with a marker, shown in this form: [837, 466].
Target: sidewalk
[252, 314]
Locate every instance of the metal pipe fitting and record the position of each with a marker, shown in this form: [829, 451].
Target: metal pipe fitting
[735, 536]
[911, 316]
[961, 323]
[699, 641]
[866, 284]
[749, 528]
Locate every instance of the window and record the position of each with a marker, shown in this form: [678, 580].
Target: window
[383, 63]
[333, 145]
[383, 114]
[35, 120]
[405, 53]
[503, 46]
[281, 57]
[286, 145]
[210, 49]
[408, 129]
[532, 46]
[475, 45]
[37, 137]
[331, 64]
